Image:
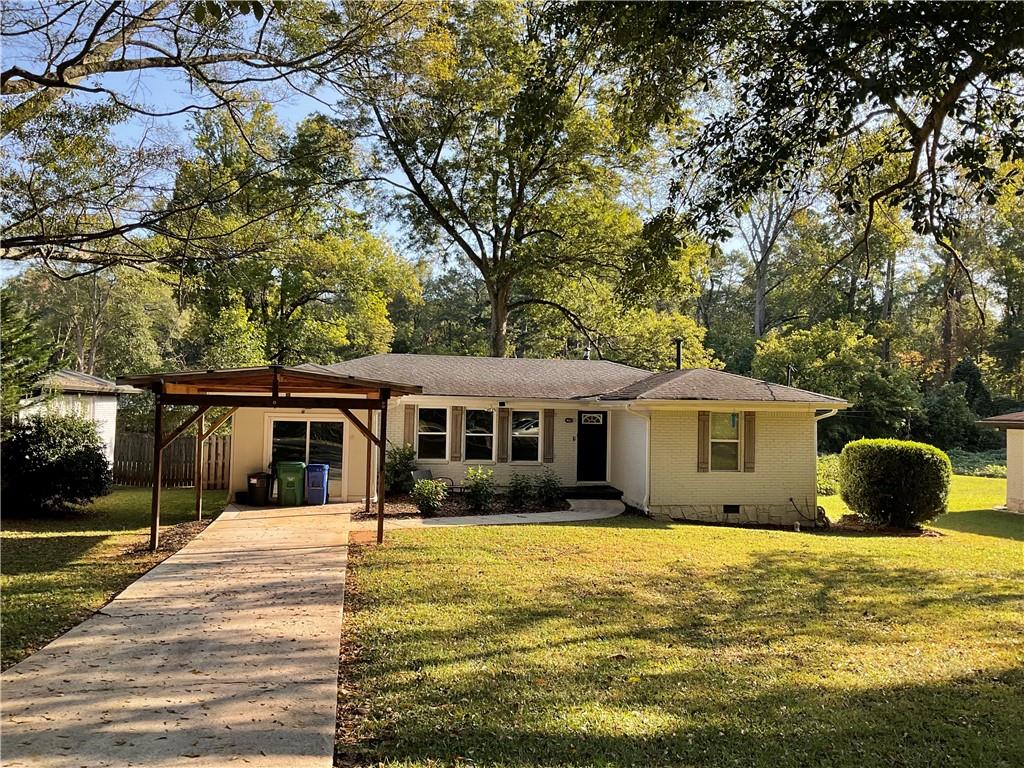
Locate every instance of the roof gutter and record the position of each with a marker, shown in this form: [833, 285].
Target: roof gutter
[827, 414]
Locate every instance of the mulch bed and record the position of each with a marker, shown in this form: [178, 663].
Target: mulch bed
[857, 524]
[171, 539]
[456, 505]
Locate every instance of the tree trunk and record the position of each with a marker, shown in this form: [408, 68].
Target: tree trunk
[498, 328]
[760, 296]
[887, 300]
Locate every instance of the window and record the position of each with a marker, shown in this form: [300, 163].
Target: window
[432, 434]
[725, 441]
[525, 435]
[312, 442]
[479, 435]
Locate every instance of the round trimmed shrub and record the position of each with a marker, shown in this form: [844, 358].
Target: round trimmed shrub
[429, 496]
[894, 482]
[50, 462]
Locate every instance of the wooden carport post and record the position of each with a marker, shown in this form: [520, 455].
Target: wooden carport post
[382, 445]
[158, 453]
[200, 428]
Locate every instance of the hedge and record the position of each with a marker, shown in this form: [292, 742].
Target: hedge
[894, 482]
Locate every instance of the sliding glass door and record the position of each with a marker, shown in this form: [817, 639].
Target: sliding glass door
[314, 442]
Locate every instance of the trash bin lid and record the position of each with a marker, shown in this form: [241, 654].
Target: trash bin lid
[291, 465]
[318, 467]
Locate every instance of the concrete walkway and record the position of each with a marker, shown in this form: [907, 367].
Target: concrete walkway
[580, 510]
[224, 654]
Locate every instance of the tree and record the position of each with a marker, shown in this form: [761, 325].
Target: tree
[493, 139]
[939, 83]
[836, 358]
[24, 356]
[74, 193]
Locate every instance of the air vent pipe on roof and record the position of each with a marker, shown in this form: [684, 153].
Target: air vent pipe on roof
[679, 353]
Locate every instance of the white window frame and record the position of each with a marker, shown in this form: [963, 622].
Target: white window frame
[738, 440]
[512, 435]
[493, 434]
[447, 432]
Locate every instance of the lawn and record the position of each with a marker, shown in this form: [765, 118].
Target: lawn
[57, 571]
[637, 643]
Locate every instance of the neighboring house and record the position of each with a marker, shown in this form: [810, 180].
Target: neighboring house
[1013, 423]
[692, 444]
[71, 392]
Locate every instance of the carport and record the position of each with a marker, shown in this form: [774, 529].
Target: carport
[271, 386]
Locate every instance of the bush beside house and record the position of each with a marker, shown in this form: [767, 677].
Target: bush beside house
[49, 462]
[895, 482]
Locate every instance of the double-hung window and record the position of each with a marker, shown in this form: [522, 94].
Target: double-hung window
[725, 442]
[479, 435]
[432, 434]
[525, 435]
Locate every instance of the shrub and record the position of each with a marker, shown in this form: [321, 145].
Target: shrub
[478, 485]
[894, 482]
[978, 464]
[520, 491]
[49, 462]
[399, 465]
[547, 488]
[950, 421]
[429, 496]
[828, 474]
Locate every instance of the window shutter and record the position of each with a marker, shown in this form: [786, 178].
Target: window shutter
[749, 428]
[703, 440]
[502, 436]
[410, 425]
[456, 438]
[549, 435]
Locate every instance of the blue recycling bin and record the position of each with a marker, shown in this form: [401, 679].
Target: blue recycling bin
[316, 483]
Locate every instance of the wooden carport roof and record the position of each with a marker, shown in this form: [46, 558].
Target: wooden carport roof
[271, 386]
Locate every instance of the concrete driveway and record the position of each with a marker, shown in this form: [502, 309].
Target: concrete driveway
[224, 654]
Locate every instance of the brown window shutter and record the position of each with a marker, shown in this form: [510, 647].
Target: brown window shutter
[410, 425]
[749, 428]
[502, 436]
[703, 440]
[456, 432]
[549, 435]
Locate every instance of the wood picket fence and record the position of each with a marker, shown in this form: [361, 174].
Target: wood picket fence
[133, 461]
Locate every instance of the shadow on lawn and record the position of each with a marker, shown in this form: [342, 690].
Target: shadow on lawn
[41, 554]
[984, 522]
[674, 666]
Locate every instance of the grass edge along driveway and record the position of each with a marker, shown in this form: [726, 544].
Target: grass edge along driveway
[631, 642]
[57, 571]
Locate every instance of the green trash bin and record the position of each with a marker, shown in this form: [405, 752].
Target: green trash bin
[291, 480]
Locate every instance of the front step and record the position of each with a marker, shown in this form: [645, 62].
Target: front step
[592, 492]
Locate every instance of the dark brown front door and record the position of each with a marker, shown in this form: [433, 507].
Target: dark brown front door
[591, 446]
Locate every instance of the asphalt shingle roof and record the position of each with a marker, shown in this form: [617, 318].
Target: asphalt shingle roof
[511, 377]
[1005, 421]
[708, 384]
[66, 380]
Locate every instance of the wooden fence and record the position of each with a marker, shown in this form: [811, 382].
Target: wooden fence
[133, 461]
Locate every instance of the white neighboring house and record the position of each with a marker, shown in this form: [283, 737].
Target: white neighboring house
[71, 392]
[1013, 424]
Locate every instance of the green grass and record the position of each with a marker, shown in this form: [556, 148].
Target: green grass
[630, 642]
[56, 571]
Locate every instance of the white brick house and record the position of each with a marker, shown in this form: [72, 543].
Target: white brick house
[693, 444]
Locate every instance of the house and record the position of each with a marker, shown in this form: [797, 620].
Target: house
[692, 444]
[72, 392]
[1013, 423]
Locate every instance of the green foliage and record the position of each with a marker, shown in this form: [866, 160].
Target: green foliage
[976, 393]
[547, 488]
[895, 482]
[478, 486]
[24, 357]
[949, 421]
[429, 496]
[978, 463]
[399, 464]
[49, 462]
[519, 493]
[828, 474]
[836, 358]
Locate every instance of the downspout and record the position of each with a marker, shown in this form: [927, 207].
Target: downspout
[827, 414]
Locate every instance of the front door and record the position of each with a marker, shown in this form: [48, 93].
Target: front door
[591, 447]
